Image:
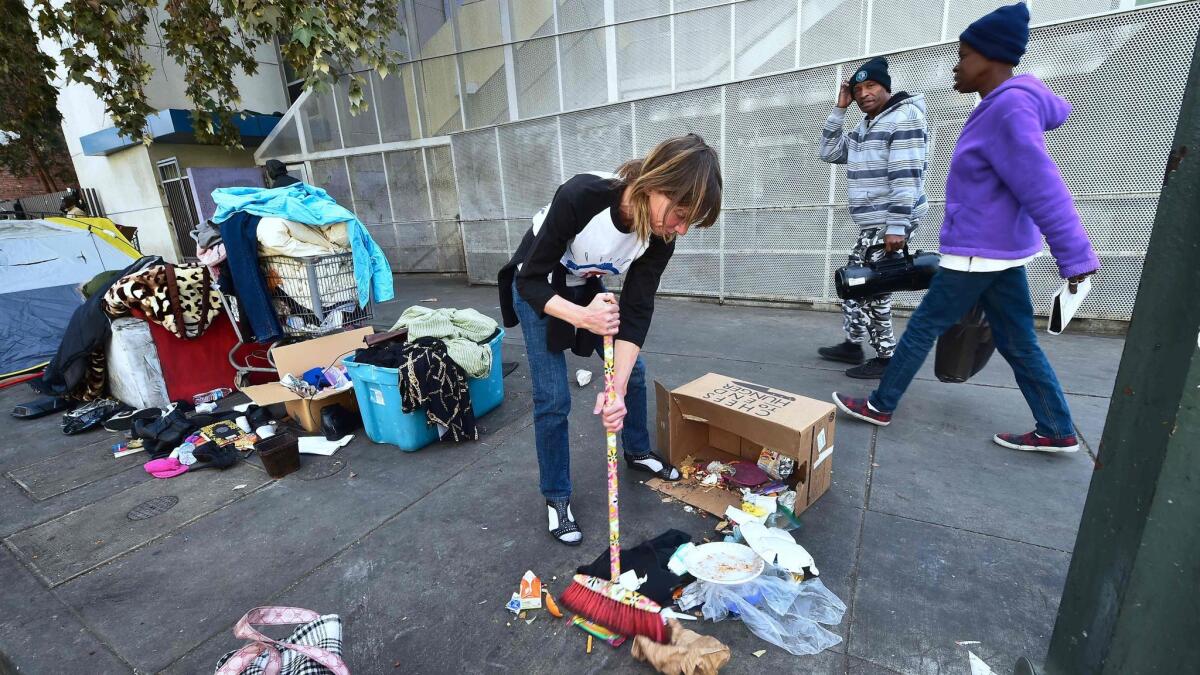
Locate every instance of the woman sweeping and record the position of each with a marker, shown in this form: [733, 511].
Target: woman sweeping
[602, 225]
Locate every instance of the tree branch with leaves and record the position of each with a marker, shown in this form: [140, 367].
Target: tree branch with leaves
[105, 46]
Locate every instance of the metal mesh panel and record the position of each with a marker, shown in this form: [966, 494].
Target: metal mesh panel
[485, 87]
[579, 14]
[596, 140]
[440, 168]
[702, 54]
[416, 249]
[900, 24]
[784, 230]
[684, 5]
[531, 18]
[831, 30]
[764, 37]
[477, 170]
[535, 64]
[697, 112]
[485, 245]
[435, 31]
[357, 129]
[1127, 138]
[449, 246]
[315, 296]
[286, 141]
[320, 122]
[371, 203]
[478, 24]
[1046, 11]
[529, 154]
[962, 12]
[628, 10]
[773, 127]
[584, 69]
[437, 87]
[394, 96]
[642, 69]
[331, 175]
[406, 181]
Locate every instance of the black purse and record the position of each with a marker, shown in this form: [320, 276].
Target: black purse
[964, 349]
[889, 274]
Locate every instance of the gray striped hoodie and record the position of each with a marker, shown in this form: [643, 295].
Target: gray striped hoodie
[885, 163]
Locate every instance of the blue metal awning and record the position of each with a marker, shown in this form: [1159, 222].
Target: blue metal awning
[175, 126]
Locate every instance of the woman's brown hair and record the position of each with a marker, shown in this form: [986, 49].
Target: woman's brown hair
[686, 170]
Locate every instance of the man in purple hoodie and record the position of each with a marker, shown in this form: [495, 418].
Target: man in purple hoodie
[1003, 195]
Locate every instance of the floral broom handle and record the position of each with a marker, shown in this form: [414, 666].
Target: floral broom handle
[614, 530]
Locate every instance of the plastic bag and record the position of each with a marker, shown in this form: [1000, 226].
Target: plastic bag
[964, 349]
[775, 608]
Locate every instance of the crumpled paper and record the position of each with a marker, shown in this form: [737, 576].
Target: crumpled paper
[689, 653]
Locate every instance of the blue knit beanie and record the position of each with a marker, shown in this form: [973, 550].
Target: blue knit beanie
[875, 70]
[1001, 35]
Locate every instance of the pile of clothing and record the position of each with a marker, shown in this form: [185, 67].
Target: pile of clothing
[296, 221]
[180, 298]
[443, 347]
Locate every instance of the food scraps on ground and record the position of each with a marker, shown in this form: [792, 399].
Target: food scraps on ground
[551, 606]
[759, 653]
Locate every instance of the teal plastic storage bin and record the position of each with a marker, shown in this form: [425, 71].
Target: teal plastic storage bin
[378, 392]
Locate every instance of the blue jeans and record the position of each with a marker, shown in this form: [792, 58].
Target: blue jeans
[1005, 299]
[552, 404]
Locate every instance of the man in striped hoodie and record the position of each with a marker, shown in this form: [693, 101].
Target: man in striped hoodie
[885, 171]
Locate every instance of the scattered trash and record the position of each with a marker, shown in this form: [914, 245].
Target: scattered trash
[676, 564]
[430, 300]
[778, 547]
[978, 667]
[530, 591]
[666, 500]
[724, 563]
[317, 445]
[239, 487]
[530, 619]
[688, 652]
[551, 606]
[482, 601]
[630, 581]
[583, 377]
[759, 653]
[775, 608]
[353, 475]
[598, 631]
[721, 525]
[206, 408]
[689, 509]
[963, 643]
[514, 603]
[483, 527]
[589, 644]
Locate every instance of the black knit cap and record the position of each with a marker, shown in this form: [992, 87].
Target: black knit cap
[875, 70]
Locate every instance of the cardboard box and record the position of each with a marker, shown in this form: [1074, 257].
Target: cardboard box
[321, 352]
[723, 418]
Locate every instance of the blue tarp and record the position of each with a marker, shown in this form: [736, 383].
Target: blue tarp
[34, 323]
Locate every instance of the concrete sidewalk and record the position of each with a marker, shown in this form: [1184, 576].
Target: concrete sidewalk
[930, 533]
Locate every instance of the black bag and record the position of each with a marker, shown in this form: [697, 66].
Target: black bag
[964, 349]
[337, 421]
[891, 273]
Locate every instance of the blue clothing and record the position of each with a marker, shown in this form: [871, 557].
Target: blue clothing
[239, 234]
[311, 205]
[1005, 299]
[552, 403]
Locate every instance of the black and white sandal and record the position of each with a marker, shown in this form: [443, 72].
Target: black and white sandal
[654, 465]
[562, 522]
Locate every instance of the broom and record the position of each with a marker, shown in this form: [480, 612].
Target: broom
[602, 601]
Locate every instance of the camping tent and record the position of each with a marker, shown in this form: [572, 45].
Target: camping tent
[42, 265]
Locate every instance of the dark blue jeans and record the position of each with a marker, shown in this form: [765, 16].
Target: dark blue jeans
[1005, 299]
[552, 405]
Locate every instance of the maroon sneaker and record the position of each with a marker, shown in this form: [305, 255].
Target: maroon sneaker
[1035, 442]
[862, 409]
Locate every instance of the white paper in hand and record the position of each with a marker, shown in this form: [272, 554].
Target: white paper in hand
[1064, 305]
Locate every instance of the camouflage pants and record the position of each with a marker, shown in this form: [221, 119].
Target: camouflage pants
[871, 317]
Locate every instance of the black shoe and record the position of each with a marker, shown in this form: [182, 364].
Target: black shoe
[871, 370]
[847, 352]
[667, 472]
[562, 523]
[123, 421]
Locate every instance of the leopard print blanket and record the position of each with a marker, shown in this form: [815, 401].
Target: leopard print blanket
[181, 298]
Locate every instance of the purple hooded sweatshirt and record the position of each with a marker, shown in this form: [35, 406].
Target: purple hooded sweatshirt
[1004, 192]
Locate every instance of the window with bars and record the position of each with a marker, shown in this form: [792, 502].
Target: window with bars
[180, 205]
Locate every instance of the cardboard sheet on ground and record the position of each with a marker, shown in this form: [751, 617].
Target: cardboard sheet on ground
[717, 417]
[321, 352]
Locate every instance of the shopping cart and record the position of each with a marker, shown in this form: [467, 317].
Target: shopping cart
[312, 297]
